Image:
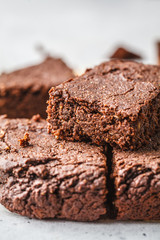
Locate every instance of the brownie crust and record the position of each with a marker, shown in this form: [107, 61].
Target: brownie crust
[24, 92]
[117, 102]
[137, 182]
[48, 178]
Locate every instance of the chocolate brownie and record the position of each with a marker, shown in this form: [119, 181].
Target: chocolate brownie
[158, 53]
[43, 177]
[137, 183]
[24, 92]
[117, 102]
[123, 53]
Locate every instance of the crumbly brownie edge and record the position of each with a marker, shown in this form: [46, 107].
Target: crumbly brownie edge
[26, 102]
[78, 120]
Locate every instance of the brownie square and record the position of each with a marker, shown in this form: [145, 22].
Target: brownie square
[117, 102]
[41, 177]
[24, 92]
[136, 177]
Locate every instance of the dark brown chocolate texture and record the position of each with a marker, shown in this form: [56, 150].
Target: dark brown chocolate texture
[24, 92]
[50, 178]
[158, 53]
[137, 182]
[123, 53]
[117, 102]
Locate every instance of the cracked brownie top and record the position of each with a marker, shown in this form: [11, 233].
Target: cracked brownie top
[122, 85]
[47, 178]
[41, 146]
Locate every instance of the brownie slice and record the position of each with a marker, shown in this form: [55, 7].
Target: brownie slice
[137, 183]
[117, 102]
[123, 53]
[43, 177]
[24, 92]
[158, 52]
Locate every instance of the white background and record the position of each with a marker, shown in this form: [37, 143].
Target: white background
[84, 33]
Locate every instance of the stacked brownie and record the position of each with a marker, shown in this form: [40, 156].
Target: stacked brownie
[117, 103]
[104, 157]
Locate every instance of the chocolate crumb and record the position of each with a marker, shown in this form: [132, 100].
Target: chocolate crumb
[123, 53]
[4, 115]
[8, 148]
[2, 134]
[24, 142]
[36, 118]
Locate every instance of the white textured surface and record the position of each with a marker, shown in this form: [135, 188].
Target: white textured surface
[16, 227]
[84, 33]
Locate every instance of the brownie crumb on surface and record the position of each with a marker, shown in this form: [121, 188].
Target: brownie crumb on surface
[123, 53]
[51, 178]
[24, 92]
[2, 134]
[24, 142]
[36, 118]
[117, 102]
